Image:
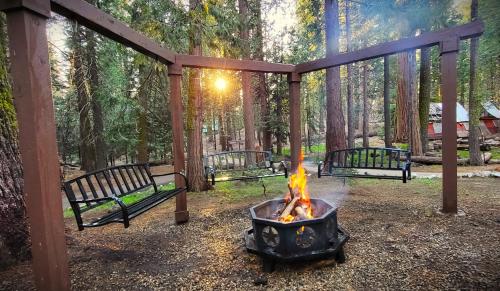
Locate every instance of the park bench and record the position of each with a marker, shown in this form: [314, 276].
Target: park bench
[113, 184]
[347, 163]
[241, 165]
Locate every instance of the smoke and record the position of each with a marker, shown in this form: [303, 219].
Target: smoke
[332, 190]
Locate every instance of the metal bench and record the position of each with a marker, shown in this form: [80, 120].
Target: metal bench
[112, 185]
[241, 165]
[347, 162]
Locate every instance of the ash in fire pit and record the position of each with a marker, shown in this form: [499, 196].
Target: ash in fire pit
[296, 227]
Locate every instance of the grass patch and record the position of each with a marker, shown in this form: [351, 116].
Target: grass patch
[464, 154]
[237, 190]
[381, 183]
[128, 199]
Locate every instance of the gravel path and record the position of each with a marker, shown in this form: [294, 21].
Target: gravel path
[398, 241]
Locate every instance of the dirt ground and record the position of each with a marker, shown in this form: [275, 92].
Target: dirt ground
[398, 241]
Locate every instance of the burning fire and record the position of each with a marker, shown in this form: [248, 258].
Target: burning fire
[297, 199]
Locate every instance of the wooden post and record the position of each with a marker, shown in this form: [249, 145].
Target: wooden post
[295, 128]
[30, 70]
[449, 50]
[176, 110]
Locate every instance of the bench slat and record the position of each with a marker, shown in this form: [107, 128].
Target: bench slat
[91, 186]
[123, 178]
[130, 177]
[118, 183]
[138, 179]
[82, 190]
[103, 190]
[382, 158]
[146, 178]
[110, 184]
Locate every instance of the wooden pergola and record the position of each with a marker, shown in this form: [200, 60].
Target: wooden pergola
[30, 71]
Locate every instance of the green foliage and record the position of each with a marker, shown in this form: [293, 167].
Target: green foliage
[123, 73]
[464, 154]
[7, 111]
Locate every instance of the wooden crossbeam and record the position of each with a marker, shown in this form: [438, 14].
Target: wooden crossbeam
[232, 64]
[469, 30]
[105, 24]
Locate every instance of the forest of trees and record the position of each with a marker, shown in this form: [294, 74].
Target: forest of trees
[111, 103]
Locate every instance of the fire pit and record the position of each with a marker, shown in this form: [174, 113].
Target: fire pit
[295, 228]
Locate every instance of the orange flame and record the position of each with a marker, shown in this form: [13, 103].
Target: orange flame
[289, 218]
[298, 184]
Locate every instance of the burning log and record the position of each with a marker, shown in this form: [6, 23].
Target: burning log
[292, 195]
[301, 213]
[289, 208]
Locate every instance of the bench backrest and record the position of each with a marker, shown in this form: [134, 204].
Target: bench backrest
[115, 181]
[238, 160]
[368, 158]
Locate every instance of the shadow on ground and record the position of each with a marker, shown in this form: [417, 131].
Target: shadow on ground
[398, 241]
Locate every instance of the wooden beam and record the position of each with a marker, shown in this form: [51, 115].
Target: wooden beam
[105, 24]
[472, 29]
[449, 51]
[30, 71]
[232, 64]
[175, 76]
[295, 127]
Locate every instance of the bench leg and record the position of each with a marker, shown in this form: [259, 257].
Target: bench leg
[404, 176]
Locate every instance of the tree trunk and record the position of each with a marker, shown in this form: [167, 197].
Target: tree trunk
[222, 133]
[98, 130]
[142, 121]
[350, 107]
[387, 102]
[366, 115]
[474, 102]
[424, 95]
[308, 129]
[14, 232]
[321, 120]
[210, 128]
[248, 98]
[402, 111]
[87, 150]
[335, 124]
[358, 121]
[414, 122]
[462, 90]
[261, 83]
[228, 128]
[195, 171]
